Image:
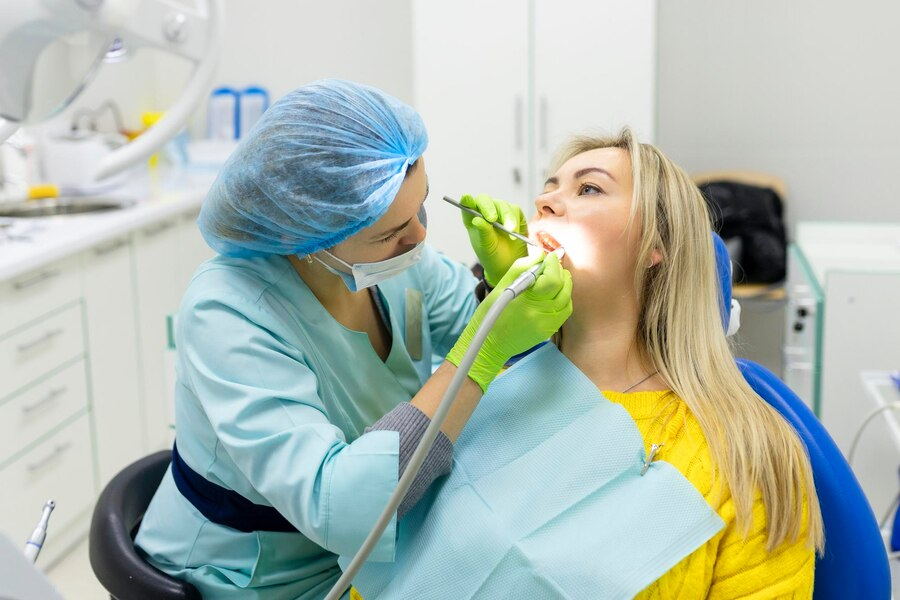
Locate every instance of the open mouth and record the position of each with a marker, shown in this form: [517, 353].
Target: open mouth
[547, 241]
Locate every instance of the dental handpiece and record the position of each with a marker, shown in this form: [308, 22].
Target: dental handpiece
[36, 541]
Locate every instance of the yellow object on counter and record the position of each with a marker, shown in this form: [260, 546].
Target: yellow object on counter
[42, 190]
[147, 120]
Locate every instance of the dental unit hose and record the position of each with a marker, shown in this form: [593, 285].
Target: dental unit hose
[519, 285]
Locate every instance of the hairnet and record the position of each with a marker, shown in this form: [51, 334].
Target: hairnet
[323, 162]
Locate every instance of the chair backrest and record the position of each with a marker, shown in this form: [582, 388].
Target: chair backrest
[855, 563]
[117, 514]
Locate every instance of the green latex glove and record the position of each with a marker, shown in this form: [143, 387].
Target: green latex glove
[532, 317]
[496, 250]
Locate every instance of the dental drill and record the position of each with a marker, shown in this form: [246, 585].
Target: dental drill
[36, 541]
[519, 285]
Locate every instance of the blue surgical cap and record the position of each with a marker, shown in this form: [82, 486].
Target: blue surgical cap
[323, 162]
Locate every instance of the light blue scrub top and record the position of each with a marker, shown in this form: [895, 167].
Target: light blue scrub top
[272, 398]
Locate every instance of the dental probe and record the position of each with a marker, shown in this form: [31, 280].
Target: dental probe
[518, 236]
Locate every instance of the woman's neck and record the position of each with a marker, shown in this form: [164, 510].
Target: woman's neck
[603, 345]
[328, 288]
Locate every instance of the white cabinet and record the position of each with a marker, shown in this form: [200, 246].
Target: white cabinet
[157, 281]
[166, 254]
[843, 293]
[501, 84]
[83, 378]
[594, 72]
[45, 444]
[113, 358]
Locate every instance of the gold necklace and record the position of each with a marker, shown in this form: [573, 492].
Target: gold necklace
[631, 387]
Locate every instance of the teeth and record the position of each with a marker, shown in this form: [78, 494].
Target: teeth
[547, 241]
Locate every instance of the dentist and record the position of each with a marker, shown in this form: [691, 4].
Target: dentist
[306, 348]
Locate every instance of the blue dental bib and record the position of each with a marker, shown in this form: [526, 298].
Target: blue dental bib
[546, 500]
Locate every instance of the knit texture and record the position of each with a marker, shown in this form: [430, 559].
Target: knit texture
[411, 423]
[728, 565]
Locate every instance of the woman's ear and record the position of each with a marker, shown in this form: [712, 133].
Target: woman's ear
[655, 258]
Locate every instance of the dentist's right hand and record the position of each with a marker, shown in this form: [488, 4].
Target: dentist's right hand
[531, 318]
[496, 250]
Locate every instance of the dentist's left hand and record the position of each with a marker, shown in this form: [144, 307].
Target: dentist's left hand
[496, 250]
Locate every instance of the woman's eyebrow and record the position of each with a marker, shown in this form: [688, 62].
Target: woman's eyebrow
[584, 172]
[581, 173]
[393, 230]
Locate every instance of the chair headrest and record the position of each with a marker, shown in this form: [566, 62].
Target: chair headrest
[731, 309]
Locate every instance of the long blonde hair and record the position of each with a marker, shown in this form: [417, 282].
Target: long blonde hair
[680, 330]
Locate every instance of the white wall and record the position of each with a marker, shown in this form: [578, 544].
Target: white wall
[805, 89]
[284, 44]
[276, 44]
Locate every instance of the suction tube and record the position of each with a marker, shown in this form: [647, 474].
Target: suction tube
[521, 283]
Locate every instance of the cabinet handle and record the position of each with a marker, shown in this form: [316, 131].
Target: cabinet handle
[54, 454]
[805, 366]
[32, 281]
[50, 397]
[159, 228]
[111, 247]
[542, 115]
[29, 346]
[517, 126]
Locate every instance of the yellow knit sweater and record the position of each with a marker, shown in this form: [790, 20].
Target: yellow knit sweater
[728, 565]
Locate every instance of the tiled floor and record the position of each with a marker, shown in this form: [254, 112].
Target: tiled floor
[73, 577]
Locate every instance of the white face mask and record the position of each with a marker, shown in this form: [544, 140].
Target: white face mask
[364, 275]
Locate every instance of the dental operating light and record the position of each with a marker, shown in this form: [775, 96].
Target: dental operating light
[51, 49]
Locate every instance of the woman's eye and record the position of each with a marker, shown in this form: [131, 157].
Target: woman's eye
[390, 237]
[589, 189]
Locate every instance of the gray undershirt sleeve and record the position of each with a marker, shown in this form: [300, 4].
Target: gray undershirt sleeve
[410, 423]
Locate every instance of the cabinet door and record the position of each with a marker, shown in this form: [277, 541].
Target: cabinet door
[158, 282]
[112, 354]
[192, 249]
[594, 72]
[470, 77]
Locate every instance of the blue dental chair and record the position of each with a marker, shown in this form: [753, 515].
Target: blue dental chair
[855, 564]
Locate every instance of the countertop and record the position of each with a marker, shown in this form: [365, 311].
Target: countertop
[30, 243]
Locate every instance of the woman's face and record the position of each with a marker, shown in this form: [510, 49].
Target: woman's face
[397, 231]
[586, 206]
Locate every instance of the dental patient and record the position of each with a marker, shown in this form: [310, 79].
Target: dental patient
[639, 443]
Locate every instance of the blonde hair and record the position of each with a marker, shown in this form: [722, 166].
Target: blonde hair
[680, 330]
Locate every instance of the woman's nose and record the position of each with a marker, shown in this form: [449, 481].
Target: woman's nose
[416, 232]
[549, 205]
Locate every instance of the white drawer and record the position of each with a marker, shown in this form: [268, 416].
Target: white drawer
[58, 469]
[27, 297]
[29, 415]
[32, 351]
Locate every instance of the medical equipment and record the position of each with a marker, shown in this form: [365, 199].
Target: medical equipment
[518, 236]
[222, 114]
[50, 50]
[36, 541]
[519, 285]
[253, 102]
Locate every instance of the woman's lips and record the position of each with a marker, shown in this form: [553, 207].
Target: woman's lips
[547, 241]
